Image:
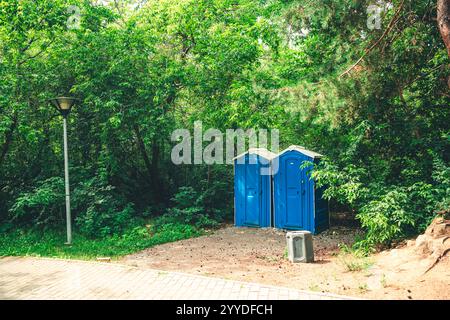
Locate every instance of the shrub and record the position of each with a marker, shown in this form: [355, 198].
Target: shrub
[102, 211]
[102, 221]
[441, 174]
[386, 212]
[188, 209]
[42, 205]
[385, 219]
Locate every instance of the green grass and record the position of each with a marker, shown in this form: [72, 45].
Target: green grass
[363, 288]
[353, 266]
[50, 243]
[314, 287]
[354, 263]
[353, 260]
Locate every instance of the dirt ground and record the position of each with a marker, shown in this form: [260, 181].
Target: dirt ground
[258, 255]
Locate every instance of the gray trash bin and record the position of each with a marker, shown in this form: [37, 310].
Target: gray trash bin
[300, 246]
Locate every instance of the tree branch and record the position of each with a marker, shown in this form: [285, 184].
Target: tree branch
[368, 50]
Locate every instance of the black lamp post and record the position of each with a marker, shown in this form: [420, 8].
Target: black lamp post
[64, 106]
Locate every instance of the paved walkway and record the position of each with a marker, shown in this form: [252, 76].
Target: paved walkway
[35, 278]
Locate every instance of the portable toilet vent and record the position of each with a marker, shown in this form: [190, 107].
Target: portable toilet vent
[300, 246]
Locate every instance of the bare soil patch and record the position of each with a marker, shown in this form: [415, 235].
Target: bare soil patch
[258, 255]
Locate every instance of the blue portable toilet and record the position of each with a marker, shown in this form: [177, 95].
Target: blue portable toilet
[298, 204]
[253, 188]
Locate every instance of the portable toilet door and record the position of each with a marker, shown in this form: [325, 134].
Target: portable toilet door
[253, 188]
[298, 204]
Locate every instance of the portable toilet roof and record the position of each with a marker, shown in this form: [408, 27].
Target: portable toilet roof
[301, 149]
[262, 152]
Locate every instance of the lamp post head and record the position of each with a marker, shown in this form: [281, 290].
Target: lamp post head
[64, 104]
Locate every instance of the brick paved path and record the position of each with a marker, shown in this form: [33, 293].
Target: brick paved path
[34, 278]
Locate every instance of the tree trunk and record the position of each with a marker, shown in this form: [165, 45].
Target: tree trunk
[8, 139]
[158, 186]
[443, 18]
[151, 166]
[143, 151]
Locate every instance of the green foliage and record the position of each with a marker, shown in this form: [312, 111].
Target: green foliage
[387, 213]
[98, 221]
[43, 205]
[355, 264]
[342, 184]
[141, 73]
[386, 218]
[441, 174]
[51, 243]
[188, 209]
[101, 210]
[98, 208]
[354, 260]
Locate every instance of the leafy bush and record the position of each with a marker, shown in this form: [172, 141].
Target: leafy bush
[102, 211]
[385, 218]
[43, 205]
[98, 209]
[188, 209]
[99, 220]
[386, 212]
[343, 184]
[441, 175]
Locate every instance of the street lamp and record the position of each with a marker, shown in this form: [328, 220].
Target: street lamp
[64, 106]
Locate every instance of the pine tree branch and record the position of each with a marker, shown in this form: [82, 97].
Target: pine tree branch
[385, 33]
